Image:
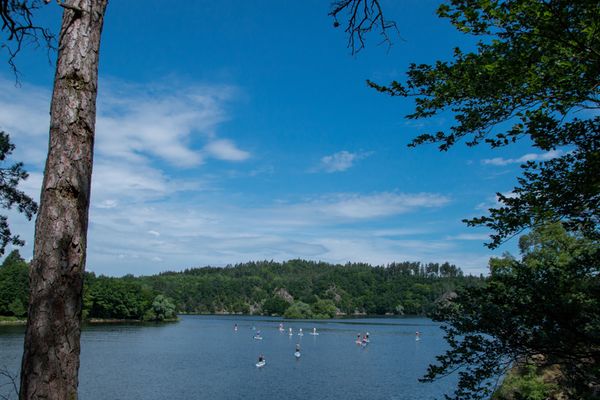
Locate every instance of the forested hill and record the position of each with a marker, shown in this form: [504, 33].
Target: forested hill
[295, 289]
[299, 288]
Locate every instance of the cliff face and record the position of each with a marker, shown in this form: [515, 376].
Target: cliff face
[284, 294]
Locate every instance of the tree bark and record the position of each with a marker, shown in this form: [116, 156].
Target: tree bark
[50, 363]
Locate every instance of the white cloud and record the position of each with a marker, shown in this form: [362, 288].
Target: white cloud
[225, 150]
[148, 216]
[499, 161]
[340, 161]
[356, 206]
[114, 183]
[494, 202]
[24, 115]
[136, 122]
[398, 232]
[32, 185]
[108, 203]
[202, 231]
[482, 237]
[348, 207]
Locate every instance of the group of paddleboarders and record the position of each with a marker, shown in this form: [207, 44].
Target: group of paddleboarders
[261, 358]
[361, 339]
[364, 340]
[300, 331]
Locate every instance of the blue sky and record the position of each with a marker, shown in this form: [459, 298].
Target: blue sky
[233, 131]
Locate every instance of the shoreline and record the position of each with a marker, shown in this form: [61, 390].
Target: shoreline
[91, 321]
[96, 321]
[15, 322]
[338, 317]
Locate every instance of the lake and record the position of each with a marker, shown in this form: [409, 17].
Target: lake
[203, 357]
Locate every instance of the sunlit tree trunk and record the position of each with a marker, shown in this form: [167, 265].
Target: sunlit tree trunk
[51, 357]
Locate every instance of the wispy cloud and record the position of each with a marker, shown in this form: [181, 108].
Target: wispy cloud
[499, 161]
[341, 161]
[356, 206]
[470, 236]
[136, 122]
[119, 182]
[24, 114]
[343, 208]
[494, 202]
[197, 233]
[144, 135]
[150, 214]
[225, 150]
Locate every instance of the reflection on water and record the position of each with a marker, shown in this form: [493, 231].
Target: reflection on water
[203, 357]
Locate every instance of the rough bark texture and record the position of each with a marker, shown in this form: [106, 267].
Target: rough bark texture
[51, 358]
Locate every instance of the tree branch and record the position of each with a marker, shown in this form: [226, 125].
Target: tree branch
[363, 17]
[18, 29]
[11, 381]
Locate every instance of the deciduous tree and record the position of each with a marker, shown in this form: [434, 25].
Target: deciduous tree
[535, 75]
[543, 308]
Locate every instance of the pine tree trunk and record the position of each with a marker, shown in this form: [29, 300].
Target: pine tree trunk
[51, 357]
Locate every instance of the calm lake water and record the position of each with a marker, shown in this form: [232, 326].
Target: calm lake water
[202, 357]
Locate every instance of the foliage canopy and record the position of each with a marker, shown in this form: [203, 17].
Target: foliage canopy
[10, 195]
[543, 308]
[295, 289]
[535, 74]
[14, 285]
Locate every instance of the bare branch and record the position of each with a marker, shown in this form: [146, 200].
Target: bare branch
[363, 17]
[18, 28]
[11, 380]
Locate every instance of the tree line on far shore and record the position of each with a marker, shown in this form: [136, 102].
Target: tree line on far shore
[292, 289]
[104, 297]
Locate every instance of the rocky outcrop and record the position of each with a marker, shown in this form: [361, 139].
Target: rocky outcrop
[333, 293]
[284, 294]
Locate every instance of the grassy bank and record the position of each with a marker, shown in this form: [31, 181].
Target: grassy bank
[12, 320]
